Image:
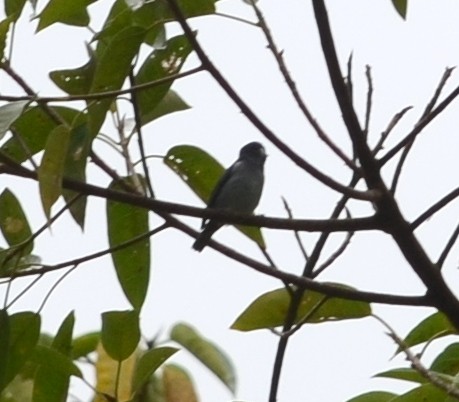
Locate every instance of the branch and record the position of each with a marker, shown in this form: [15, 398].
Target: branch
[297, 235]
[161, 207]
[278, 55]
[428, 109]
[397, 117]
[452, 240]
[435, 208]
[96, 95]
[138, 128]
[77, 261]
[366, 127]
[399, 229]
[338, 252]
[420, 126]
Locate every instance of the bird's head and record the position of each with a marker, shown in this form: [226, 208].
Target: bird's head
[254, 151]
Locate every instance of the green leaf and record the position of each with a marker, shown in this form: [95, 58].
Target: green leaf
[85, 344]
[160, 63]
[9, 113]
[24, 331]
[435, 326]
[51, 170]
[75, 168]
[4, 29]
[401, 6]
[132, 263]
[171, 103]
[148, 364]
[447, 362]
[13, 8]
[426, 392]
[159, 12]
[51, 384]
[206, 352]
[67, 12]
[4, 350]
[120, 333]
[375, 396]
[178, 385]
[62, 342]
[33, 128]
[270, 309]
[55, 361]
[405, 374]
[76, 81]
[112, 67]
[119, 17]
[201, 172]
[13, 222]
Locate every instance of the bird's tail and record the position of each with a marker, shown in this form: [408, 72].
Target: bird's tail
[206, 234]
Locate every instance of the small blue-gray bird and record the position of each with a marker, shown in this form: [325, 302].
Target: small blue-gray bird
[238, 190]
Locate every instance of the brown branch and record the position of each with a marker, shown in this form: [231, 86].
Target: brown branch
[420, 126]
[394, 121]
[366, 126]
[278, 55]
[296, 233]
[399, 229]
[334, 256]
[428, 109]
[161, 207]
[138, 128]
[435, 208]
[78, 261]
[452, 240]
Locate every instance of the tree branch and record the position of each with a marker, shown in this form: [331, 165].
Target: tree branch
[309, 225]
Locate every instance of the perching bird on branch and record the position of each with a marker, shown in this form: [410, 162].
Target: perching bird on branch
[238, 190]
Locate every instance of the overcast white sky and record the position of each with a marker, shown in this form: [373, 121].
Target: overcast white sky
[329, 362]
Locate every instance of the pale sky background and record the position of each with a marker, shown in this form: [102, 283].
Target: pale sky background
[327, 362]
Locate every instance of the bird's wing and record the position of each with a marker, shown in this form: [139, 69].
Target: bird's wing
[218, 187]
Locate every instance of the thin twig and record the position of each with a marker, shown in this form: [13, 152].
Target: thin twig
[21, 293]
[433, 101]
[267, 256]
[306, 317]
[55, 285]
[427, 111]
[435, 208]
[420, 126]
[236, 18]
[138, 128]
[394, 121]
[448, 386]
[366, 126]
[335, 255]
[98, 95]
[295, 232]
[78, 261]
[452, 240]
[291, 84]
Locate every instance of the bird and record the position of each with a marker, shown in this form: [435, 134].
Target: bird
[238, 190]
